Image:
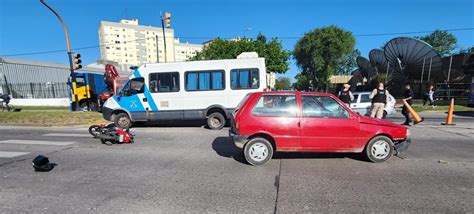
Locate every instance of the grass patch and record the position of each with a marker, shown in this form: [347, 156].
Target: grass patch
[419, 108]
[51, 118]
[42, 108]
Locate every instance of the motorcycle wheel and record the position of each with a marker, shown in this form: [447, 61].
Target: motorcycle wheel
[94, 130]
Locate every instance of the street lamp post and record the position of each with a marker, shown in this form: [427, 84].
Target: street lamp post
[69, 53]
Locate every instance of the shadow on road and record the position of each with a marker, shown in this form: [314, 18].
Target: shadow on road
[313, 155]
[464, 113]
[223, 146]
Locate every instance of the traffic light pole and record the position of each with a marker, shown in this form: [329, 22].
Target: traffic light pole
[164, 36]
[69, 53]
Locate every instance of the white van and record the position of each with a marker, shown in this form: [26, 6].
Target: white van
[186, 91]
[362, 104]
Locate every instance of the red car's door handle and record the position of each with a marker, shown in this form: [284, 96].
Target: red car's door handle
[299, 124]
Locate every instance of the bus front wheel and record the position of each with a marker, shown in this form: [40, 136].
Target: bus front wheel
[122, 120]
[216, 121]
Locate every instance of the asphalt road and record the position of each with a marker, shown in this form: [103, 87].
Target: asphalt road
[192, 169]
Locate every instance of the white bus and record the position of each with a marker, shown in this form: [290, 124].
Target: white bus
[186, 91]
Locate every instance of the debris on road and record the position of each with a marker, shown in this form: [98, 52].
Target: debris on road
[41, 164]
[443, 161]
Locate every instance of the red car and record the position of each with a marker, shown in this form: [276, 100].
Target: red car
[268, 122]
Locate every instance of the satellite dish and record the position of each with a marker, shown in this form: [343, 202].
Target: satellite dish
[378, 60]
[366, 68]
[407, 56]
[356, 81]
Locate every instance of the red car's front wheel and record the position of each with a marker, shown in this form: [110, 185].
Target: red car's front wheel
[379, 149]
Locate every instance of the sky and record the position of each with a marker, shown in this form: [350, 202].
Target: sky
[26, 26]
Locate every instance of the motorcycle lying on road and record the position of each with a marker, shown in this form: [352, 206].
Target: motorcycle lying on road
[111, 134]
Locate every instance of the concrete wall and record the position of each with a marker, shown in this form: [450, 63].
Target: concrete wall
[40, 102]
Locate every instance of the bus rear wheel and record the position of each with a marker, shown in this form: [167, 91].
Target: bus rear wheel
[216, 121]
[122, 120]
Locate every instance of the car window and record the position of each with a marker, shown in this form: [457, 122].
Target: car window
[276, 105]
[355, 98]
[242, 102]
[134, 86]
[322, 106]
[80, 81]
[364, 98]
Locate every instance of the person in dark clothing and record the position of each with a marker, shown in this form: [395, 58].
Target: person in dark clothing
[408, 96]
[345, 95]
[379, 97]
[5, 98]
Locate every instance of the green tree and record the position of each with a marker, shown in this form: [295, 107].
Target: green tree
[283, 83]
[320, 54]
[442, 41]
[302, 83]
[349, 63]
[276, 58]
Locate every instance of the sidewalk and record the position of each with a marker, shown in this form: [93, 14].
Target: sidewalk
[436, 115]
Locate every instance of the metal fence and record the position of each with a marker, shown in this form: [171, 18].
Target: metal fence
[29, 79]
[457, 90]
[36, 90]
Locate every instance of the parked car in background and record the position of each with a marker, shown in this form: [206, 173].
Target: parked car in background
[362, 104]
[268, 122]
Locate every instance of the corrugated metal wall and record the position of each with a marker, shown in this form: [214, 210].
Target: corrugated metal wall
[28, 79]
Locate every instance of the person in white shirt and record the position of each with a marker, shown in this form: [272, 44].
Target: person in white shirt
[429, 96]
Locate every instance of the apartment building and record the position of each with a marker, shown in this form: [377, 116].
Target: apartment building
[130, 44]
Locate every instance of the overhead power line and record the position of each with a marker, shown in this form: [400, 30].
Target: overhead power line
[196, 37]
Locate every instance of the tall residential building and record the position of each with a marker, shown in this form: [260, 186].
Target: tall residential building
[130, 44]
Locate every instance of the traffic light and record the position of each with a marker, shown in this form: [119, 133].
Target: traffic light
[168, 19]
[77, 61]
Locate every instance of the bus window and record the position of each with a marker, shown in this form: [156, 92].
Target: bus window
[164, 82]
[244, 79]
[204, 80]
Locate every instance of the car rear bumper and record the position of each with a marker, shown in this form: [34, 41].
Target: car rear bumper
[402, 146]
[238, 140]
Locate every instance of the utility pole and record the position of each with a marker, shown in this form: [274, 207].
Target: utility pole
[164, 36]
[69, 53]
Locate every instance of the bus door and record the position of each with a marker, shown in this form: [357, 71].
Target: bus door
[129, 99]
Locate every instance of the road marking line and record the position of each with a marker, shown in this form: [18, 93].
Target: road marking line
[67, 135]
[4, 154]
[38, 142]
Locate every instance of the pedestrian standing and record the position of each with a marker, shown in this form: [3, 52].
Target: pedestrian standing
[408, 97]
[379, 98]
[345, 95]
[429, 96]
